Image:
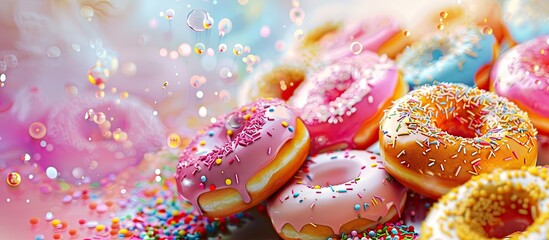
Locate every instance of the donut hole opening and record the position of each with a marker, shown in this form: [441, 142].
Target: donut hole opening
[455, 128]
[332, 173]
[460, 119]
[490, 214]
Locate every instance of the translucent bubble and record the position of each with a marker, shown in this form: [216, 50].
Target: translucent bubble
[243, 2]
[234, 122]
[129, 69]
[101, 52]
[75, 47]
[199, 48]
[174, 140]
[355, 48]
[238, 49]
[37, 130]
[443, 15]
[440, 26]
[406, 33]
[225, 25]
[184, 49]
[89, 115]
[124, 95]
[197, 80]
[224, 95]
[202, 111]
[87, 12]
[78, 173]
[170, 13]
[71, 89]
[51, 172]
[298, 34]
[195, 20]
[297, 15]
[13, 179]
[265, 31]
[222, 47]
[225, 73]
[98, 75]
[2, 77]
[487, 30]
[210, 52]
[96, 43]
[247, 49]
[199, 94]
[99, 94]
[11, 61]
[208, 22]
[53, 52]
[99, 118]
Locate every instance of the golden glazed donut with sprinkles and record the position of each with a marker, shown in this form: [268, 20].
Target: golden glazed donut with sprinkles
[438, 137]
[242, 159]
[508, 204]
[336, 193]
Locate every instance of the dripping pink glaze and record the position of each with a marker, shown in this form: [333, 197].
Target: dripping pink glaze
[511, 81]
[249, 149]
[352, 171]
[370, 33]
[372, 83]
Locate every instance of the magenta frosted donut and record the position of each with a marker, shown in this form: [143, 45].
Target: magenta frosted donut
[343, 104]
[88, 138]
[336, 193]
[243, 158]
[522, 76]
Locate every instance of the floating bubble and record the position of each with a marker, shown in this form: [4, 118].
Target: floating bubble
[355, 48]
[199, 48]
[89, 115]
[13, 179]
[487, 30]
[222, 47]
[71, 89]
[208, 22]
[163, 52]
[210, 52]
[224, 95]
[196, 81]
[202, 111]
[99, 118]
[199, 94]
[129, 69]
[247, 49]
[406, 33]
[164, 85]
[225, 73]
[195, 20]
[101, 52]
[98, 75]
[243, 2]
[234, 122]
[37, 130]
[99, 94]
[443, 15]
[225, 25]
[78, 173]
[51, 172]
[53, 52]
[87, 12]
[26, 157]
[2, 77]
[265, 31]
[440, 26]
[174, 140]
[96, 43]
[298, 34]
[75, 47]
[297, 15]
[238, 49]
[124, 95]
[170, 13]
[11, 61]
[184, 49]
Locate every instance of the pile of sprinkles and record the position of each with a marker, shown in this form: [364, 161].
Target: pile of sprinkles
[493, 123]
[387, 231]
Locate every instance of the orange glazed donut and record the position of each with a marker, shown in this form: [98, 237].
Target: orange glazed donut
[508, 204]
[242, 159]
[437, 137]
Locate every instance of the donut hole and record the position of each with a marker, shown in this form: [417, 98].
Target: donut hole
[334, 89]
[459, 119]
[498, 211]
[332, 173]
[455, 128]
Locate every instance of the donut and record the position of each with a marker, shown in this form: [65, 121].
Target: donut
[242, 158]
[509, 204]
[461, 55]
[271, 81]
[342, 104]
[88, 139]
[522, 76]
[336, 193]
[438, 137]
[525, 19]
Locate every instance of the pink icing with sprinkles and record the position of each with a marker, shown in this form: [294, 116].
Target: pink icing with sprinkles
[344, 94]
[522, 75]
[231, 151]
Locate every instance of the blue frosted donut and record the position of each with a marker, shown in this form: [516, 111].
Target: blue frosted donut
[525, 19]
[462, 55]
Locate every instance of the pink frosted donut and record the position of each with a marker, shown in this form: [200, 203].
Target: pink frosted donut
[343, 104]
[336, 193]
[242, 159]
[522, 76]
[84, 145]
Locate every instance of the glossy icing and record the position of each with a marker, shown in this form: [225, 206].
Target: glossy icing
[231, 151]
[453, 57]
[329, 187]
[334, 102]
[371, 33]
[522, 75]
[526, 19]
[456, 213]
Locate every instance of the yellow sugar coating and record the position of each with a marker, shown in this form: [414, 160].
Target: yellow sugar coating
[490, 196]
